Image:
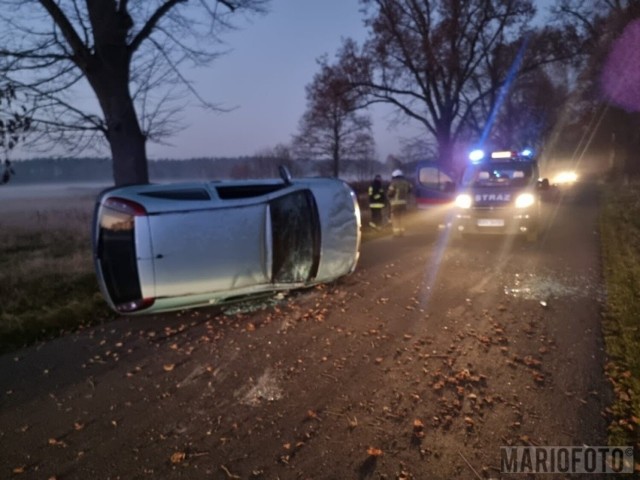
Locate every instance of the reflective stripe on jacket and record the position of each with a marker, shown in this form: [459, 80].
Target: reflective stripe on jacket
[377, 197]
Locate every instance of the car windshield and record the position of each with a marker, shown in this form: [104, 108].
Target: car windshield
[497, 175]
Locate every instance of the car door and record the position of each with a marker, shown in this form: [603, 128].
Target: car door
[295, 237]
[212, 250]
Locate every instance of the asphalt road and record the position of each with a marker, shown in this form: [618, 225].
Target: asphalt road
[421, 364]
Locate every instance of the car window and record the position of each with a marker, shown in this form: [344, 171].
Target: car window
[296, 237]
[433, 178]
[229, 192]
[185, 194]
[492, 175]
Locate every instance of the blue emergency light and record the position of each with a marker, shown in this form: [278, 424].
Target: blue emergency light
[476, 156]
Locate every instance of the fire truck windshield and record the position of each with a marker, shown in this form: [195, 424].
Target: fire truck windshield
[516, 174]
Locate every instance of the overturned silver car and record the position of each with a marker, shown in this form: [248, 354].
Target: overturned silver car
[175, 246]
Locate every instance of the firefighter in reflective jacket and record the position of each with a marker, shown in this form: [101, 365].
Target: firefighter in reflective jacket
[377, 201]
[398, 192]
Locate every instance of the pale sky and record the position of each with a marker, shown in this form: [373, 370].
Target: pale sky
[264, 76]
[271, 60]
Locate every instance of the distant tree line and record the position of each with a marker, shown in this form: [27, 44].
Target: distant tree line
[100, 170]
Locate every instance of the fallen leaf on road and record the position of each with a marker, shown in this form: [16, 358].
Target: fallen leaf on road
[57, 443]
[529, 361]
[538, 377]
[418, 430]
[168, 367]
[353, 423]
[374, 452]
[178, 457]
[19, 470]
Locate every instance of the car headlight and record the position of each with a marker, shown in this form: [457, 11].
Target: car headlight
[463, 201]
[525, 200]
[565, 177]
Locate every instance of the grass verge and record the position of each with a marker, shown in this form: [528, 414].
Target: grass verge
[47, 286]
[620, 233]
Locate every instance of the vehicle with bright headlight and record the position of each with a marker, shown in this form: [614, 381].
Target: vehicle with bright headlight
[169, 247]
[565, 178]
[499, 193]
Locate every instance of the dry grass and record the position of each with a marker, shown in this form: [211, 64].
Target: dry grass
[47, 281]
[620, 233]
[47, 277]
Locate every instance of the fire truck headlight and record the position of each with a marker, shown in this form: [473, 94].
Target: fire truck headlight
[463, 201]
[525, 200]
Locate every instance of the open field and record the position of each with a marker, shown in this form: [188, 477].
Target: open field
[47, 282]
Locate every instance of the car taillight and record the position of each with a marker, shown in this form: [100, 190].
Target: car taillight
[134, 306]
[125, 206]
[116, 255]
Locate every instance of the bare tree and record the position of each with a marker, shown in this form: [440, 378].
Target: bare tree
[130, 53]
[14, 126]
[599, 125]
[530, 112]
[331, 127]
[443, 63]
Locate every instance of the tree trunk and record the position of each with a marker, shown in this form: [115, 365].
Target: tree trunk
[445, 149]
[126, 141]
[128, 150]
[108, 74]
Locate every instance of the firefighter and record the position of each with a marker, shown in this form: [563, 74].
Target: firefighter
[377, 201]
[398, 193]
